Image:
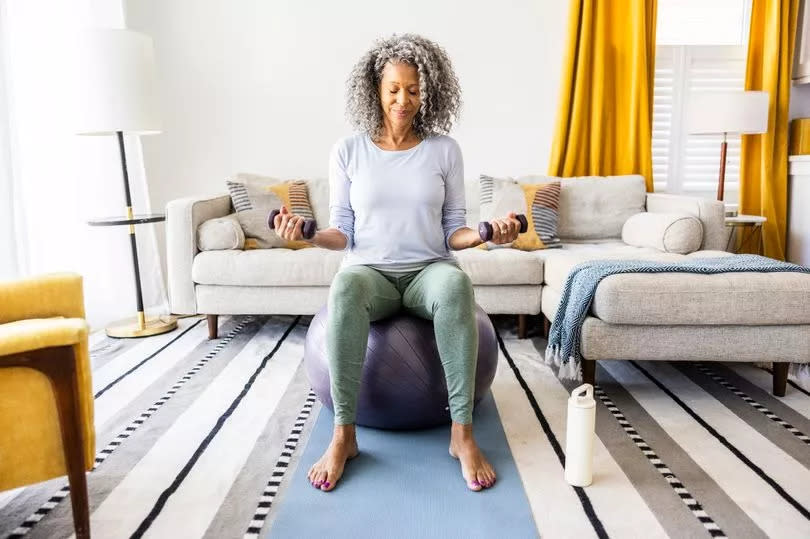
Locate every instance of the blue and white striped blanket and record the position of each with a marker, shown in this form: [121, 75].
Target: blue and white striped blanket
[566, 330]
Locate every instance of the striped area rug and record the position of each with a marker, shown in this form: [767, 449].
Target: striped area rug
[200, 438]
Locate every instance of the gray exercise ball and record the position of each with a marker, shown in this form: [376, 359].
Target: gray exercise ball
[402, 384]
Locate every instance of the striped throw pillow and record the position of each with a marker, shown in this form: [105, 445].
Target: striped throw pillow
[538, 201]
[254, 197]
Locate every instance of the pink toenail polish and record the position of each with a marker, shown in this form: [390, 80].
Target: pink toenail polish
[326, 484]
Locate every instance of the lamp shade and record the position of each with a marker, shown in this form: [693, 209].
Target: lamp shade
[116, 86]
[741, 112]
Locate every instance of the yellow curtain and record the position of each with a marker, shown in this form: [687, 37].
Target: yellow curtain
[763, 161]
[604, 121]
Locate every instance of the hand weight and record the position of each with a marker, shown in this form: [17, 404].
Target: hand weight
[485, 228]
[309, 224]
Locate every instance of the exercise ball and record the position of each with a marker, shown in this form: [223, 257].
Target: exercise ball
[402, 384]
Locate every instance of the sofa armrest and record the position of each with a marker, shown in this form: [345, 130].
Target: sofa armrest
[183, 217]
[710, 212]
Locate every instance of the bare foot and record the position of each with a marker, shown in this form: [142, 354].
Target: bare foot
[475, 468]
[325, 473]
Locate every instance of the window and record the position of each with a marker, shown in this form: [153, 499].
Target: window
[702, 46]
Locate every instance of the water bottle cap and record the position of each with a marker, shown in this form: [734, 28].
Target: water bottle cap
[582, 397]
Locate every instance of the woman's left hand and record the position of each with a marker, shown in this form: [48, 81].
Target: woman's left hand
[505, 230]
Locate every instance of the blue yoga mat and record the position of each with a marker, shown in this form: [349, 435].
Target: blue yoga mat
[405, 484]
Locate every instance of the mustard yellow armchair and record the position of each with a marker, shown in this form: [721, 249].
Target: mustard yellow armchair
[46, 394]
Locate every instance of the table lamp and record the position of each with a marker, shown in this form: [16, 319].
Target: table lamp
[117, 94]
[727, 112]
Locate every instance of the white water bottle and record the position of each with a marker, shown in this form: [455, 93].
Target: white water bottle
[579, 436]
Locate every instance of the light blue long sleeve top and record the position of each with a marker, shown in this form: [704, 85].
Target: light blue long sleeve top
[397, 208]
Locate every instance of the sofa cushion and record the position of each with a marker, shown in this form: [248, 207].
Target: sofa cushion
[500, 266]
[267, 267]
[741, 298]
[668, 232]
[595, 207]
[557, 263]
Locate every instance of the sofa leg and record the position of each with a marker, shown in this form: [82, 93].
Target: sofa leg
[546, 326]
[780, 376]
[589, 371]
[212, 326]
[521, 326]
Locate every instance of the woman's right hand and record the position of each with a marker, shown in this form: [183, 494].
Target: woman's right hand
[289, 226]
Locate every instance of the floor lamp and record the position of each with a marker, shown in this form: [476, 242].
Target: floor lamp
[116, 95]
[727, 113]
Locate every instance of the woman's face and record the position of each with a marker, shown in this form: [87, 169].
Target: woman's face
[399, 94]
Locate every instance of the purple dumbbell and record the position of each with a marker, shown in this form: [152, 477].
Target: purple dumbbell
[485, 229]
[309, 224]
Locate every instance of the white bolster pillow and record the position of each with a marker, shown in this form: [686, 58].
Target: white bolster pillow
[669, 232]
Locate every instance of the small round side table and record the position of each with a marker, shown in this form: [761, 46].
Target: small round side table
[750, 231]
[139, 325]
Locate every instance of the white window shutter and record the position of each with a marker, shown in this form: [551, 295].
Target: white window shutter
[712, 69]
[684, 163]
[663, 95]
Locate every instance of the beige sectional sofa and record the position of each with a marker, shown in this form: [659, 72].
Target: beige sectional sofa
[668, 316]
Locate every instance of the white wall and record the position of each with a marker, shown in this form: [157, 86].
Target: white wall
[258, 86]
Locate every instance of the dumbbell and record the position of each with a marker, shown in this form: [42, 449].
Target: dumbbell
[309, 224]
[485, 228]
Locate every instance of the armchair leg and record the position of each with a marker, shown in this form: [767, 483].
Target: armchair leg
[589, 371]
[780, 376]
[521, 326]
[546, 326]
[212, 326]
[59, 365]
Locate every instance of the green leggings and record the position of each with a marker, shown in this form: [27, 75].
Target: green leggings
[441, 292]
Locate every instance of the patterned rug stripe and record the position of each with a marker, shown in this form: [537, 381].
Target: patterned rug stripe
[583, 497]
[734, 447]
[281, 467]
[175, 444]
[761, 411]
[146, 359]
[668, 507]
[128, 355]
[619, 470]
[128, 388]
[102, 455]
[676, 484]
[226, 449]
[555, 506]
[175, 484]
[763, 505]
[757, 406]
[794, 398]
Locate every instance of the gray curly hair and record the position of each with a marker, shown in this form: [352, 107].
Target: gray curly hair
[439, 90]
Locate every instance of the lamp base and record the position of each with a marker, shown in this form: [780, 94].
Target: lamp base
[130, 328]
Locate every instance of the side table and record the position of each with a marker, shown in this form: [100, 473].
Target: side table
[140, 325]
[749, 229]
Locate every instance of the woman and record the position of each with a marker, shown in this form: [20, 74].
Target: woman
[397, 207]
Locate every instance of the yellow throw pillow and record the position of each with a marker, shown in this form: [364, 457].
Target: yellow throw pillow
[254, 197]
[538, 201]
